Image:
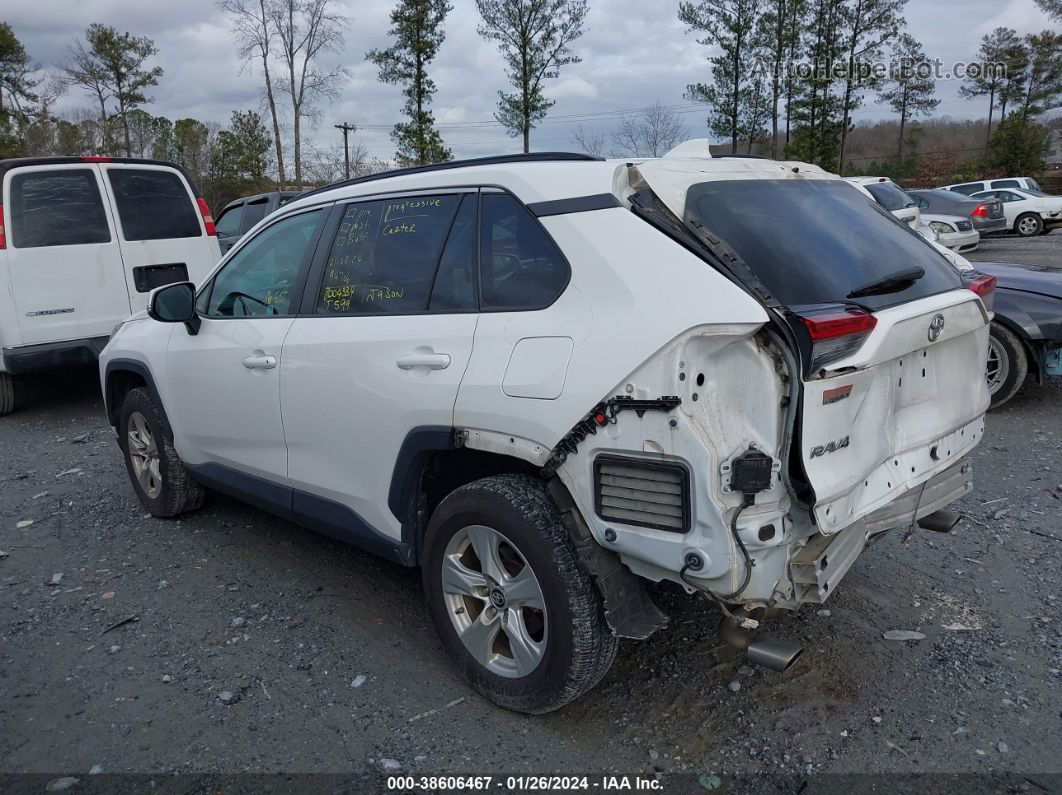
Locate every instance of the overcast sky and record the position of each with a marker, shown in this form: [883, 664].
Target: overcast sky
[634, 53]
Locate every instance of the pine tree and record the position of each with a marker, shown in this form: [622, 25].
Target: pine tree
[909, 88]
[416, 26]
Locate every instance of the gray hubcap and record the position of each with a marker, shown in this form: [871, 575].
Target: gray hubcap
[1027, 226]
[998, 366]
[144, 455]
[494, 601]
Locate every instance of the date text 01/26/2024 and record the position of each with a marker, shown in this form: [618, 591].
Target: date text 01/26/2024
[523, 783]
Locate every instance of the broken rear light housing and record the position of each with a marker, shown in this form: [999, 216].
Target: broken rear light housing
[835, 333]
[983, 285]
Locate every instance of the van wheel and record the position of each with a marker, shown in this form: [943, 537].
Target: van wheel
[158, 476]
[7, 394]
[1029, 225]
[515, 609]
[1008, 364]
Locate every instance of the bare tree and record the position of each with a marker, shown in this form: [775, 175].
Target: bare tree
[592, 142]
[254, 36]
[324, 166]
[307, 29]
[650, 133]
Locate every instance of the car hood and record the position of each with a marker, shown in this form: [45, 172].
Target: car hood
[1028, 278]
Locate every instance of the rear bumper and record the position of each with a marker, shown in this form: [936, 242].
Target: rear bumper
[991, 226]
[50, 355]
[824, 560]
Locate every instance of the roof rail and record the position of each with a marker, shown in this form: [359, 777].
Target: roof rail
[523, 157]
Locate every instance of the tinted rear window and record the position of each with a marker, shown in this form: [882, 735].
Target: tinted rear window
[153, 204]
[815, 241]
[254, 213]
[57, 208]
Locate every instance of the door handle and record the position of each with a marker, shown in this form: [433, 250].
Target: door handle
[433, 361]
[260, 362]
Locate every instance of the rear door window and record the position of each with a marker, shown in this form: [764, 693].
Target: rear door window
[816, 241]
[520, 265]
[153, 204]
[229, 222]
[385, 255]
[254, 212]
[57, 207]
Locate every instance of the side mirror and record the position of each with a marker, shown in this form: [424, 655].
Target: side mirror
[175, 303]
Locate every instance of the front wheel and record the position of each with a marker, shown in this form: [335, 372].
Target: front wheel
[1008, 364]
[1029, 225]
[156, 471]
[513, 606]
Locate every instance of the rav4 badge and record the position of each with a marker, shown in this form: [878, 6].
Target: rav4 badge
[830, 447]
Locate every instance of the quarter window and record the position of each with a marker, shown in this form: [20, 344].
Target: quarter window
[259, 280]
[57, 207]
[153, 204]
[520, 266]
[385, 255]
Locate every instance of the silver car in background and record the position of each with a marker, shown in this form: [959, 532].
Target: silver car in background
[986, 215]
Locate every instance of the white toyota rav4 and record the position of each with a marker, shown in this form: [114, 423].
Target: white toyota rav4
[550, 378]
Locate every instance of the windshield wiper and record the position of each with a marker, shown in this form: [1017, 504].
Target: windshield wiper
[893, 283]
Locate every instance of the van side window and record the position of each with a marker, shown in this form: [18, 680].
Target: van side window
[968, 187]
[153, 204]
[258, 281]
[57, 207]
[1005, 183]
[520, 265]
[384, 256]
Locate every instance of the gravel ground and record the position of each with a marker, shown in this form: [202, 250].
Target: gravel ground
[232, 642]
[1042, 250]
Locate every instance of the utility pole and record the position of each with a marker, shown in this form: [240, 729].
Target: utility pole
[347, 130]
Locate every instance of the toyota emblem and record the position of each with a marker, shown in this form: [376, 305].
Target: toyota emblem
[936, 326]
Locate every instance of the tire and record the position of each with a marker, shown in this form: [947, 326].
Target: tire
[568, 646]
[157, 474]
[1028, 225]
[7, 394]
[1007, 366]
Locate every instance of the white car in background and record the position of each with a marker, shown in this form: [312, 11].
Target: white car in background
[950, 231]
[977, 186]
[1028, 212]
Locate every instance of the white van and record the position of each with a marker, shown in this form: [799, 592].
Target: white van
[83, 240]
[970, 188]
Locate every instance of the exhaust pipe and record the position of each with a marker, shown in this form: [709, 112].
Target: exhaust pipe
[940, 521]
[771, 653]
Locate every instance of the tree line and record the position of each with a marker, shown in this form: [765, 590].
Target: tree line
[784, 78]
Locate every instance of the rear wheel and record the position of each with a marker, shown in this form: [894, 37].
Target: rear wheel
[7, 394]
[157, 474]
[1029, 225]
[1008, 364]
[513, 606]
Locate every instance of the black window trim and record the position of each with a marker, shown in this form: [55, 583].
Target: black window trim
[299, 286]
[7, 186]
[118, 223]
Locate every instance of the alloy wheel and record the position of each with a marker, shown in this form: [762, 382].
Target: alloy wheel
[144, 455]
[494, 601]
[1027, 226]
[998, 366]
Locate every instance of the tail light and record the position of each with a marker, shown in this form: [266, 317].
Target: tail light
[208, 219]
[836, 333]
[980, 211]
[984, 285]
[3, 237]
[96, 159]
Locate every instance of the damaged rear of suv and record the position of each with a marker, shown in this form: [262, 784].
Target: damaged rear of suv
[727, 373]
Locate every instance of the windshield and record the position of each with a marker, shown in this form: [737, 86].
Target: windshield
[816, 241]
[1034, 185]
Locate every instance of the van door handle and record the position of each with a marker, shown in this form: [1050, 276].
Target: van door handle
[433, 361]
[260, 362]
